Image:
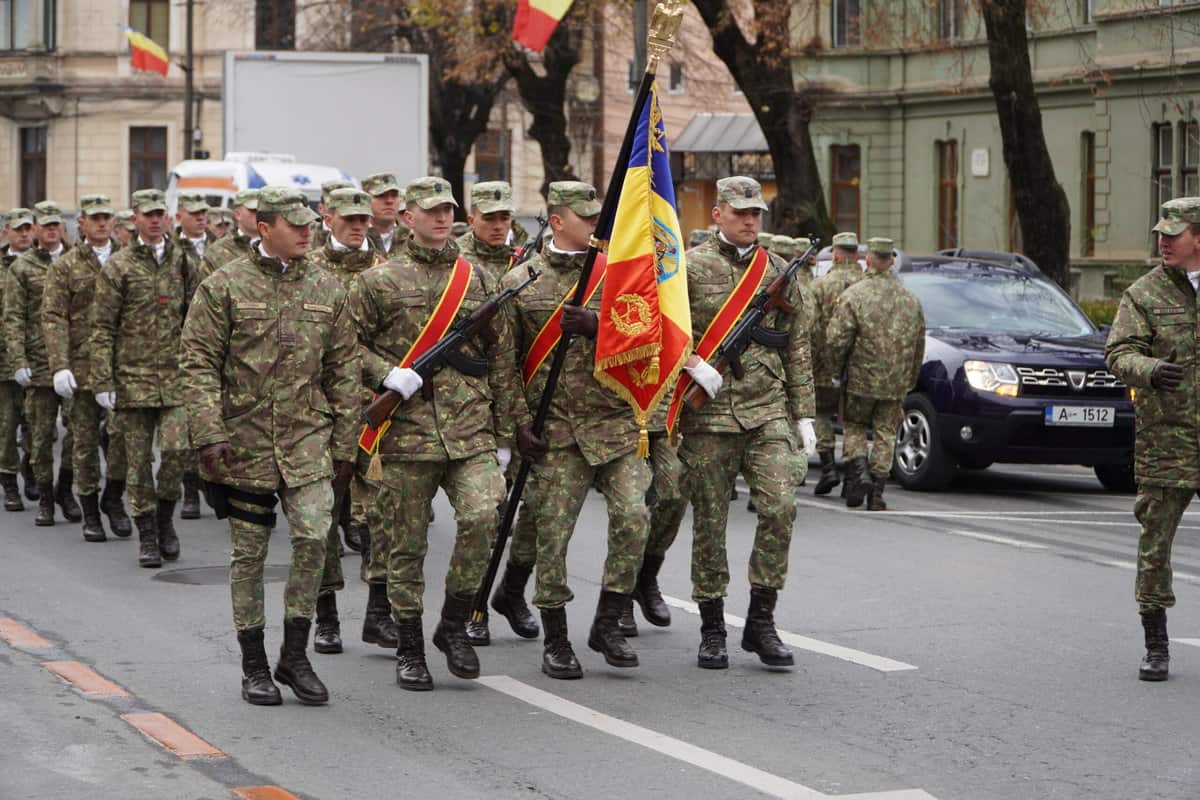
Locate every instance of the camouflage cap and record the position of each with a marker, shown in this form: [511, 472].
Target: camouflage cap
[47, 212]
[784, 246]
[492, 196]
[380, 183]
[845, 240]
[764, 239]
[146, 200]
[125, 219]
[217, 216]
[578, 196]
[288, 203]
[1176, 215]
[246, 198]
[349, 202]
[91, 204]
[429, 192]
[193, 202]
[20, 217]
[459, 228]
[881, 245]
[802, 244]
[741, 192]
[329, 187]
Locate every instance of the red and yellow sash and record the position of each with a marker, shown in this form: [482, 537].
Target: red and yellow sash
[726, 317]
[550, 334]
[435, 328]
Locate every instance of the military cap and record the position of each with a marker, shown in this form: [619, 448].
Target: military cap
[288, 203]
[429, 192]
[20, 217]
[1176, 215]
[881, 245]
[740, 192]
[380, 183]
[193, 202]
[845, 240]
[802, 243]
[146, 200]
[329, 187]
[491, 196]
[47, 212]
[459, 228]
[246, 198]
[349, 202]
[216, 216]
[91, 204]
[125, 219]
[764, 239]
[784, 246]
[578, 196]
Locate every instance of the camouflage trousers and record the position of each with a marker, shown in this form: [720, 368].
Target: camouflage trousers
[12, 397]
[308, 509]
[332, 579]
[381, 543]
[883, 417]
[801, 466]
[1159, 510]
[558, 485]
[670, 505]
[86, 419]
[522, 544]
[42, 406]
[827, 398]
[139, 427]
[475, 486]
[711, 462]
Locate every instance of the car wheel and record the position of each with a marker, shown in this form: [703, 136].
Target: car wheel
[1116, 477]
[920, 462]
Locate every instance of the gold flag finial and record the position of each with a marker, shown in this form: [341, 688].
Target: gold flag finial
[664, 27]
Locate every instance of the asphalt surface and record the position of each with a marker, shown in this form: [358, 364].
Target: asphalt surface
[973, 644]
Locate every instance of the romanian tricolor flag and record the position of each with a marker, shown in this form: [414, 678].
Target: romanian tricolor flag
[645, 331]
[536, 21]
[145, 53]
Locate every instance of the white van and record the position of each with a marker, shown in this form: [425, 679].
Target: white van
[219, 181]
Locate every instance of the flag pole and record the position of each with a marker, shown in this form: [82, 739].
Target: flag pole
[664, 27]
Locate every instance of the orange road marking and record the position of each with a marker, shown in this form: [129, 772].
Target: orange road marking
[264, 793]
[173, 736]
[85, 679]
[18, 635]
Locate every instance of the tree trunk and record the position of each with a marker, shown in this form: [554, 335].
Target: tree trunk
[1039, 199]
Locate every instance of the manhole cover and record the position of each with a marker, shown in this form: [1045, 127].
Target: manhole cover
[217, 576]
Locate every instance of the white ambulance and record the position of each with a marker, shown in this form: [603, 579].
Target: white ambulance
[219, 181]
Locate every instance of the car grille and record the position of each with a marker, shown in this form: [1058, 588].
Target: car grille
[1056, 382]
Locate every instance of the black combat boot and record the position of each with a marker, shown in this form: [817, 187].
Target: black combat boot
[114, 508]
[558, 657]
[45, 514]
[411, 672]
[352, 532]
[328, 636]
[12, 492]
[63, 495]
[647, 595]
[509, 600]
[712, 653]
[294, 669]
[875, 494]
[148, 552]
[257, 687]
[856, 481]
[477, 630]
[378, 627]
[93, 528]
[829, 473]
[605, 637]
[1158, 655]
[760, 635]
[168, 540]
[450, 636]
[191, 496]
[626, 624]
[31, 484]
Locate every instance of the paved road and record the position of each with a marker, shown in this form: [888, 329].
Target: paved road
[974, 644]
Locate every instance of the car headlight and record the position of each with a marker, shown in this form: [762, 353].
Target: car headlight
[987, 376]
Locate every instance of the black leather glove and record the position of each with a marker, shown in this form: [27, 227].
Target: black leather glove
[579, 321]
[215, 456]
[530, 446]
[1168, 375]
[343, 471]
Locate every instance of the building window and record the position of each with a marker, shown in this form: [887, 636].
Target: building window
[153, 18]
[1089, 193]
[847, 23]
[33, 165]
[275, 24]
[147, 158]
[27, 24]
[1163, 172]
[493, 154]
[1087, 11]
[632, 79]
[1189, 158]
[845, 180]
[675, 79]
[947, 194]
[950, 19]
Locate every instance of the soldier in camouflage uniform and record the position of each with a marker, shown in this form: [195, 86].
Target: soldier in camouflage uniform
[488, 244]
[137, 314]
[1153, 346]
[12, 395]
[123, 228]
[245, 207]
[27, 351]
[219, 223]
[590, 439]
[320, 232]
[66, 322]
[388, 233]
[272, 375]
[876, 338]
[193, 238]
[458, 440]
[746, 425]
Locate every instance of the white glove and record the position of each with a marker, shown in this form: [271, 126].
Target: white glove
[808, 435]
[23, 376]
[107, 400]
[64, 384]
[503, 457]
[405, 381]
[709, 379]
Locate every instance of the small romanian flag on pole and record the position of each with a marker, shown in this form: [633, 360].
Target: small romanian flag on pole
[536, 21]
[144, 53]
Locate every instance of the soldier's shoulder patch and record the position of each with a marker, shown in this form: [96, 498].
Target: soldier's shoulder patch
[318, 307]
[1167, 310]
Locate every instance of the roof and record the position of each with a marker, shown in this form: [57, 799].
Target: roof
[721, 133]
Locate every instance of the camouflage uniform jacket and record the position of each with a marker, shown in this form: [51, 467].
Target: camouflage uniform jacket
[877, 337]
[7, 368]
[399, 239]
[346, 265]
[137, 317]
[1158, 313]
[824, 292]
[582, 411]
[67, 310]
[221, 252]
[25, 284]
[494, 258]
[778, 383]
[390, 304]
[270, 365]
[318, 237]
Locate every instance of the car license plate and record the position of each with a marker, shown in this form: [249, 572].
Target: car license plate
[1084, 416]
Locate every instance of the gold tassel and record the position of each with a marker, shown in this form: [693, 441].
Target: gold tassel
[652, 371]
[375, 469]
[643, 444]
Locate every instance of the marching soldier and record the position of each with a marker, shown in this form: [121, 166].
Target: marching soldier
[388, 233]
[488, 243]
[745, 426]
[27, 350]
[137, 316]
[245, 205]
[19, 225]
[876, 338]
[66, 311]
[455, 437]
[123, 228]
[321, 227]
[590, 439]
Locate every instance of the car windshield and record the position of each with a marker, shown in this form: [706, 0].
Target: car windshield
[996, 301]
